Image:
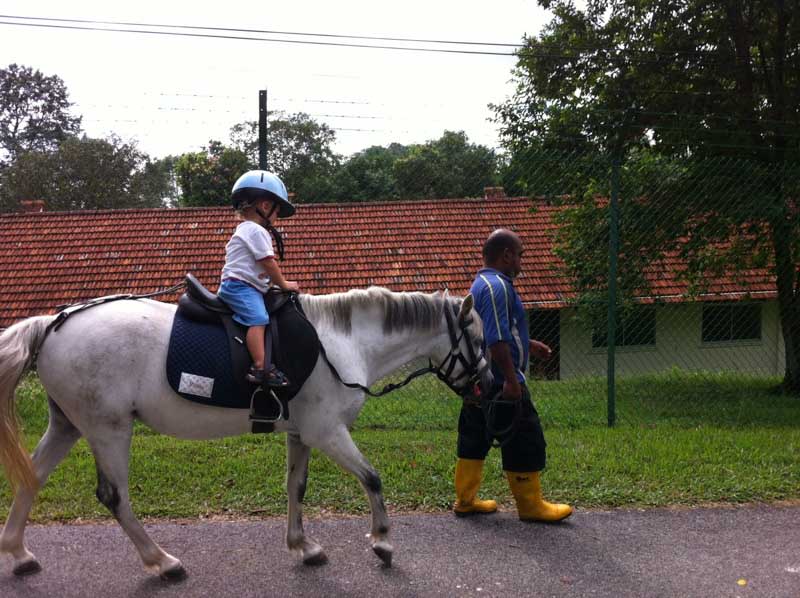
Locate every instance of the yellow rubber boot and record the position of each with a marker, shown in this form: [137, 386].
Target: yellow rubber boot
[527, 491]
[468, 480]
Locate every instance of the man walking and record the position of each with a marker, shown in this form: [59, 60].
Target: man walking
[508, 346]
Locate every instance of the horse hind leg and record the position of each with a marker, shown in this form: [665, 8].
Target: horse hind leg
[297, 455]
[56, 443]
[111, 449]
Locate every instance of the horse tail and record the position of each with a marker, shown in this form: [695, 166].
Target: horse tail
[18, 347]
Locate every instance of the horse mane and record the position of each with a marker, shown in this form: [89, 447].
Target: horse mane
[401, 310]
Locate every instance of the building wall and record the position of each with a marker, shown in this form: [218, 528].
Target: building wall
[678, 344]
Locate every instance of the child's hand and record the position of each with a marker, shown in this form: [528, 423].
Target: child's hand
[291, 286]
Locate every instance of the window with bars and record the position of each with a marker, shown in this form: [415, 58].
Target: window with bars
[635, 328]
[731, 322]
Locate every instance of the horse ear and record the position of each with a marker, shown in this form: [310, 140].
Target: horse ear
[466, 306]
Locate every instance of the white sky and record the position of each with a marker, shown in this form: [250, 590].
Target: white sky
[172, 94]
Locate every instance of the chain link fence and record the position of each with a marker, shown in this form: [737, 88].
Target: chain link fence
[675, 267]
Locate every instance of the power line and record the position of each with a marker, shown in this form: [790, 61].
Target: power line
[197, 95]
[522, 47]
[267, 31]
[257, 39]
[207, 96]
[241, 113]
[730, 118]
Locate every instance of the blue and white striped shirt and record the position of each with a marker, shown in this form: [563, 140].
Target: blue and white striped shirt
[503, 316]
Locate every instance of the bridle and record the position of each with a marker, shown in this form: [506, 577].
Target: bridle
[471, 373]
[471, 370]
[471, 389]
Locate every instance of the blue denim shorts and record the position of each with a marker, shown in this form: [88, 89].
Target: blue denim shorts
[246, 302]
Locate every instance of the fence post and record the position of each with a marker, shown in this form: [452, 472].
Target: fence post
[613, 252]
[262, 129]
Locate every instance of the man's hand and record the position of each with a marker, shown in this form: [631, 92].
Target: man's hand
[539, 350]
[512, 390]
[500, 354]
[291, 286]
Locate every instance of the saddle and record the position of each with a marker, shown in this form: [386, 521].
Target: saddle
[207, 359]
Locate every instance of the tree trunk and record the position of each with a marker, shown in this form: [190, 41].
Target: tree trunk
[788, 301]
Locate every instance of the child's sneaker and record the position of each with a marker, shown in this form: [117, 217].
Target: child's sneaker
[275, 377]
[255, 376]
[272, 377]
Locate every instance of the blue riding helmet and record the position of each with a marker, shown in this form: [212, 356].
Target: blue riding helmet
[260, 184]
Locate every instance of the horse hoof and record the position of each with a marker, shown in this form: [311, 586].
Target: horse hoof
[175, 574]
[27, 568]
[314, 557]
[384, 551]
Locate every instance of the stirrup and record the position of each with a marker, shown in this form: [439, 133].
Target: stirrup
[259, 417]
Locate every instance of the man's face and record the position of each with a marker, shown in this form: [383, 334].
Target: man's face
[512, 259]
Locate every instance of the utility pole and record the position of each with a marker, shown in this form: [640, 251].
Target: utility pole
[262, 129]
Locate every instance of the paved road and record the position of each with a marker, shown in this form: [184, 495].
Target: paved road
[751, 551]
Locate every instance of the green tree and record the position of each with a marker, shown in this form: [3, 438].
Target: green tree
[34, 112]
[84, 174]
[160, 175]
[450, 166]
[206, 177]
[702, 96]
[299, 150]
[369, 175]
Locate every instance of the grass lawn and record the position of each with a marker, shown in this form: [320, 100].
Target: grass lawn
[681, 439]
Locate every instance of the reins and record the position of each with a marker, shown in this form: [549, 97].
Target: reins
[497, 437]
[470, 368]
[386, 389]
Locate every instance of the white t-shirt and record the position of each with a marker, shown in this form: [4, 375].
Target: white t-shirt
[250, 242]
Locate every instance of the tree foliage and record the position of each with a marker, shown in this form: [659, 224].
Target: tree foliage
[700, 102]
[299, 150]
[206, 177]
[450, 166]
[34, 112]
[84, 174]
[369, 175]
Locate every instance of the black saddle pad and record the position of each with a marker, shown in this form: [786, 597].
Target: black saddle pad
[207, 361]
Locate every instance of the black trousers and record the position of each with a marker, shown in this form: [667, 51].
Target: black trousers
[525, 452]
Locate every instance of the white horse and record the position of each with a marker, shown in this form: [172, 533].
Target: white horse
[104, 368]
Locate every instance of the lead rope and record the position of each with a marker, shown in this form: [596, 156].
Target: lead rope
[489, 406]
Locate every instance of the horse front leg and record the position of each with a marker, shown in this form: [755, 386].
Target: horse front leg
[340, 447]
[297, 455]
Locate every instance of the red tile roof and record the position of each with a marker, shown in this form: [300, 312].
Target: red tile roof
[53, 258]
